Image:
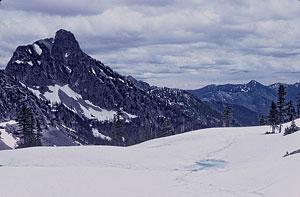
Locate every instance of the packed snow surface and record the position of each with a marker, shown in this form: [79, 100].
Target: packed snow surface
[217, 162]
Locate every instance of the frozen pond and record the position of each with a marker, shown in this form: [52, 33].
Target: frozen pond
[207, 164]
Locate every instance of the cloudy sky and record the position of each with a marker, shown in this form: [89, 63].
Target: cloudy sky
[185, 44]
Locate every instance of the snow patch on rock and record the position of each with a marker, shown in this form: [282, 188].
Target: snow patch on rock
[89, 110]
[96, 133]
[37, 49]
[19, 62]
[68, 128]
[30, 63]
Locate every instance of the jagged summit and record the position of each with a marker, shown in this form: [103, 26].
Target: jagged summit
[63, 34]
[65, 43]
[253, 82]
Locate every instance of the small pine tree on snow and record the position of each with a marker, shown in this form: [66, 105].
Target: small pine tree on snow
[262, 121]
[166, 128]
[117, 129]
[273, 116]
[291, 112]
[291, 129]
[281, 105]
[227, 116]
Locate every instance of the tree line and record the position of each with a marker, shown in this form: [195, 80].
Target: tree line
[118, 134]
[281, 112]
[30, 132]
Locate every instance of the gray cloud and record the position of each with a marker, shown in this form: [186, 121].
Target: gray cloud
[185, 44]
[76, 7]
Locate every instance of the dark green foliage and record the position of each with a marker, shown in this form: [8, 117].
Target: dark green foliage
[227, 116]
[38, 134]
[118, 129]
[291, 129]
[27, 131]
[298, 105]
[273, 116]
[166, 128]
[145, 132]
[262, 121]
[281, 105]
[291, 112]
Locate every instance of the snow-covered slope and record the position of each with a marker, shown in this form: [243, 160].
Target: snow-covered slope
[216, 162]
[74, 102]
[6, 136]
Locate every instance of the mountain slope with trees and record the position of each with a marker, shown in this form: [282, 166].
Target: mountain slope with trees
[85, 95]
[14, 96]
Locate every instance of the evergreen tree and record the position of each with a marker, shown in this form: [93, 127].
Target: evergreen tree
[262, 120]
[22, 121]
[166, 128]
[26, 131]
[145, 132]
[291, 112]
[38, 134]
[281, 105]
[227, 116]
[273, 116]
[298, 105]
[148, 131]
[117, 129]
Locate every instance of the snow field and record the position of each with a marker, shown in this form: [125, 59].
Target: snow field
[216, 162]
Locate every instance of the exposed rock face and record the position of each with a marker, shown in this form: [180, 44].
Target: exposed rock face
[13, 95]
[59, 71]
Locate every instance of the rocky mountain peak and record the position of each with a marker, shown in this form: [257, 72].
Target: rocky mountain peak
[66, 39]
[253, 83]
[65, 44]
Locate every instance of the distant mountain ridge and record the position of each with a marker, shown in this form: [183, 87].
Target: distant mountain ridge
[253, 95]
